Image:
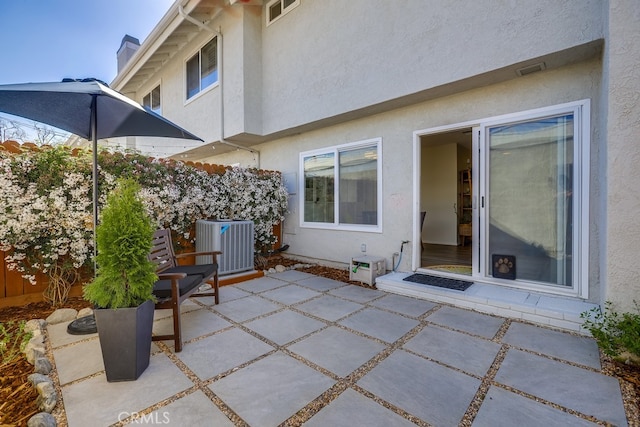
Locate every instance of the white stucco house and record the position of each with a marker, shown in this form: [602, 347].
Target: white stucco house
[513, 125]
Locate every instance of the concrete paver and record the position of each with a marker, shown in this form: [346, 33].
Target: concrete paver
[581, 350]
[337, 350]
[352, 409]
[290, 294]
[285, 326]
[268, 352]
[502, 407]
[380, 324]
[268, 391]
[436, 394]
[473, 355]
[218, 353]
[468, 321]
[588, 392]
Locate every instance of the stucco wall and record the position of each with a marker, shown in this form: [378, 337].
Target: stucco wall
[369, 52]
[580, 81]
[621, 95]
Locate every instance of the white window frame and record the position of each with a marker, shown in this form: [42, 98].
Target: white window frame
[284, 10]
[150, 95]
[189, 57]
[335, 150]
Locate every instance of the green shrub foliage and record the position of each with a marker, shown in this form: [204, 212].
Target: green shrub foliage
[125, 276]
[616, 333]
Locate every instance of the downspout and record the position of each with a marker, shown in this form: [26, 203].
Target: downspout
[218, 33]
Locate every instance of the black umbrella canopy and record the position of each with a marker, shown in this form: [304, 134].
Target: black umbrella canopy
[90, 109]
[69, 105]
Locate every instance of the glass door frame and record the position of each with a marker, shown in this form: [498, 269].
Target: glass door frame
[480, 223]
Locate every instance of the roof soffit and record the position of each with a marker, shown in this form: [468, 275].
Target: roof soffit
[171, 34]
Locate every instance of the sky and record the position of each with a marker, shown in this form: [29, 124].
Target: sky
[48, 40]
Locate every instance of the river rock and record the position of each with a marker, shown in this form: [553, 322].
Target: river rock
[87, 311]
[34, 348]
[62, 315]
[47, 396]
[36, 379]
[42, 365]
[42, 419]
[34, 325]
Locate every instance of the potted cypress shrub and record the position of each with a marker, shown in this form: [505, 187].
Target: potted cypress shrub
[122, 288]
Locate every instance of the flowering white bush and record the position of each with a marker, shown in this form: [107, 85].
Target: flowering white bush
[46, 202]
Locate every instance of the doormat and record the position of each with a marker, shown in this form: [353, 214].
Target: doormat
[441, 282]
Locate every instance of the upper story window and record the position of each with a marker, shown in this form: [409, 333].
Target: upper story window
[278, 8]
[152, 100]
[342, 187]
[202, 68]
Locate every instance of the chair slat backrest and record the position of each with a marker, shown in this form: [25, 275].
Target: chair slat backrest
[161, 253]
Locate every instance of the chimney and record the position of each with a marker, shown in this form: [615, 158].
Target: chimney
[128, 48]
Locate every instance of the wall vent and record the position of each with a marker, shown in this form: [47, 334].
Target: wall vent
[540, 66]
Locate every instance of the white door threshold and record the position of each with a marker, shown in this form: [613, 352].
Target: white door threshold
[548, 310]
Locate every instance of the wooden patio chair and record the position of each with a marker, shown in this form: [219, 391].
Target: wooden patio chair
[178, 282]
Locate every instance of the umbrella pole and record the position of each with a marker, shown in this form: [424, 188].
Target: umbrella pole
[94, 138]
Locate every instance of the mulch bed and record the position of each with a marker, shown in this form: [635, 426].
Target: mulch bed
[17, 397]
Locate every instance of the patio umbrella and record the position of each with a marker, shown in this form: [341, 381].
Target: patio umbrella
[87, 108]
[92, 110]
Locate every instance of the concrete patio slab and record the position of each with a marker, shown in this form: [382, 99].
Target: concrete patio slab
[357, 293]
[261, 284]
[577, 349]
[438, 395]
[501, 408]
[186, 307]
[329, 308]
[339, 351]
[227, 293]
[58, 335]
[285, 326]
[290, 294]
[218, 353]
[194, 324]
[380, 324]
[320, 284]
[79, 360]
[270, 390]
[267, 356]
[471, 354]
[467, 321]
[352, 409]
[408, 306]
[246, 308]
[291, 275]
[95, 401]
[195, 409]
[582, 390]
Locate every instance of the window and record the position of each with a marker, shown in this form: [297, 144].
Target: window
[349, 175]
[202, 69]
[152, 100]
[279, 8]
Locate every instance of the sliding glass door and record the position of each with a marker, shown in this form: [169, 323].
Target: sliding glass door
[531, 227]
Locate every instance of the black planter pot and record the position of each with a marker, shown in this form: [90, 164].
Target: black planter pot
[125, 339]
